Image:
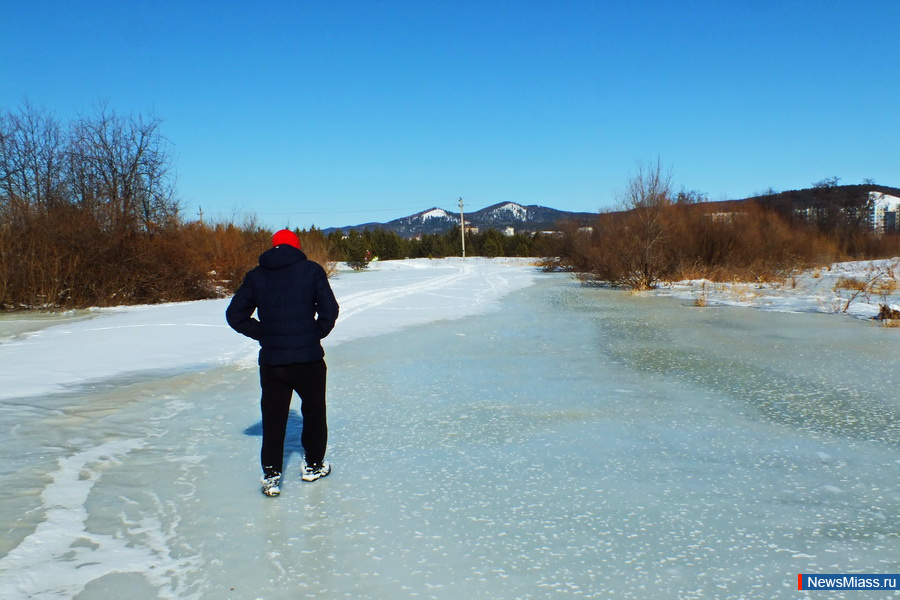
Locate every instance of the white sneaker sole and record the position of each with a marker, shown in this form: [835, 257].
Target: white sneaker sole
[312, 476]
[271, 490]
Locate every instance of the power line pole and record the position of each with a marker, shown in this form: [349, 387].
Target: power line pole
[462, 230]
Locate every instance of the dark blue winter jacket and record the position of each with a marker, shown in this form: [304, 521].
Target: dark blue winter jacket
[288, 291]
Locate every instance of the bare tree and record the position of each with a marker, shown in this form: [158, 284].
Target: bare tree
[644, 225]
[649, 187]
[32, 163]
[121, 170]
[827, 183]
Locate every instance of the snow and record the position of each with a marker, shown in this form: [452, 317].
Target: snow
[818, 290]
[496, 432]
[435, 213]
[519, 211]
[185, 337]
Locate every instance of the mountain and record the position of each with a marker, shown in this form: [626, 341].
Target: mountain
[523, 219]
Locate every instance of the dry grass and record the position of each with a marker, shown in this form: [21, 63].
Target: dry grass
[885, 287]
[877, 280]
[702, 299]
[851, 283]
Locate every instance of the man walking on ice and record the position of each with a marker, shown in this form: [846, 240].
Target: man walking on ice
[295, 309]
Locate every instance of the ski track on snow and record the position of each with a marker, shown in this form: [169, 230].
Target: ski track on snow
[353, 304]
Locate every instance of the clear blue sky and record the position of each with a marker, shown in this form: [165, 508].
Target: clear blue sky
[338, 112]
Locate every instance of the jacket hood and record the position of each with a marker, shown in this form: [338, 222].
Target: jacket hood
[280, 257]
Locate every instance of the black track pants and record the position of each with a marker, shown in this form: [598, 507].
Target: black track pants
[278, 385]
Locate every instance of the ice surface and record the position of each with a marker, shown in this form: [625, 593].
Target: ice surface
[577, 443]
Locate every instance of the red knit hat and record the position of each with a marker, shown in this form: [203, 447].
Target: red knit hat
[286, 236]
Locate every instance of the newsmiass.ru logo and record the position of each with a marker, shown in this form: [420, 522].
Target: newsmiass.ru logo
[847, 582]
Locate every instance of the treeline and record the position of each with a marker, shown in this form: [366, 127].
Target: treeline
[355, 247]
[89, 217]
[661, 236]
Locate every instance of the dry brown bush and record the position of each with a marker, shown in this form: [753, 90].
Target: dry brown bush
[89, 217]
[67, 259]
[318, 249]
[638, 247]
[754, 244]
[225, 250]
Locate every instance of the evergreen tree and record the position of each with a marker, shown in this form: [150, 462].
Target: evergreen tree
[355, 251]
[492, 244]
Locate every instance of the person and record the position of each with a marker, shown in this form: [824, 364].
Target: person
[295, 308]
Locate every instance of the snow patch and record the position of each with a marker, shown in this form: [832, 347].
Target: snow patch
[519, 211]
[825, 290]
[435, 213]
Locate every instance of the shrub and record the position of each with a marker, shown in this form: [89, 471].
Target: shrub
[89, 216]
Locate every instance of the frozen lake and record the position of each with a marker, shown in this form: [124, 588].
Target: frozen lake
[577, 443]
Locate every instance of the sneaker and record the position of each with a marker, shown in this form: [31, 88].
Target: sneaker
[271, 483]
[313, 471]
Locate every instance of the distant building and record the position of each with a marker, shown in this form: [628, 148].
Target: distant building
[883, 212]
[724, 217]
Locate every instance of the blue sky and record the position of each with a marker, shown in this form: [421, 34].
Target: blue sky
[338, 112]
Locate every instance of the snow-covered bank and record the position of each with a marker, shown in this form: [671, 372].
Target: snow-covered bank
[182, 337]
[855, 288]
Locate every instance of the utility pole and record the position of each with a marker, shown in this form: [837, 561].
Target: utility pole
[200, 212]
[462, 229]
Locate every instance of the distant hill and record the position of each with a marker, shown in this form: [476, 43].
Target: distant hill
[523, 219]
[837, 196]
[532, 218]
